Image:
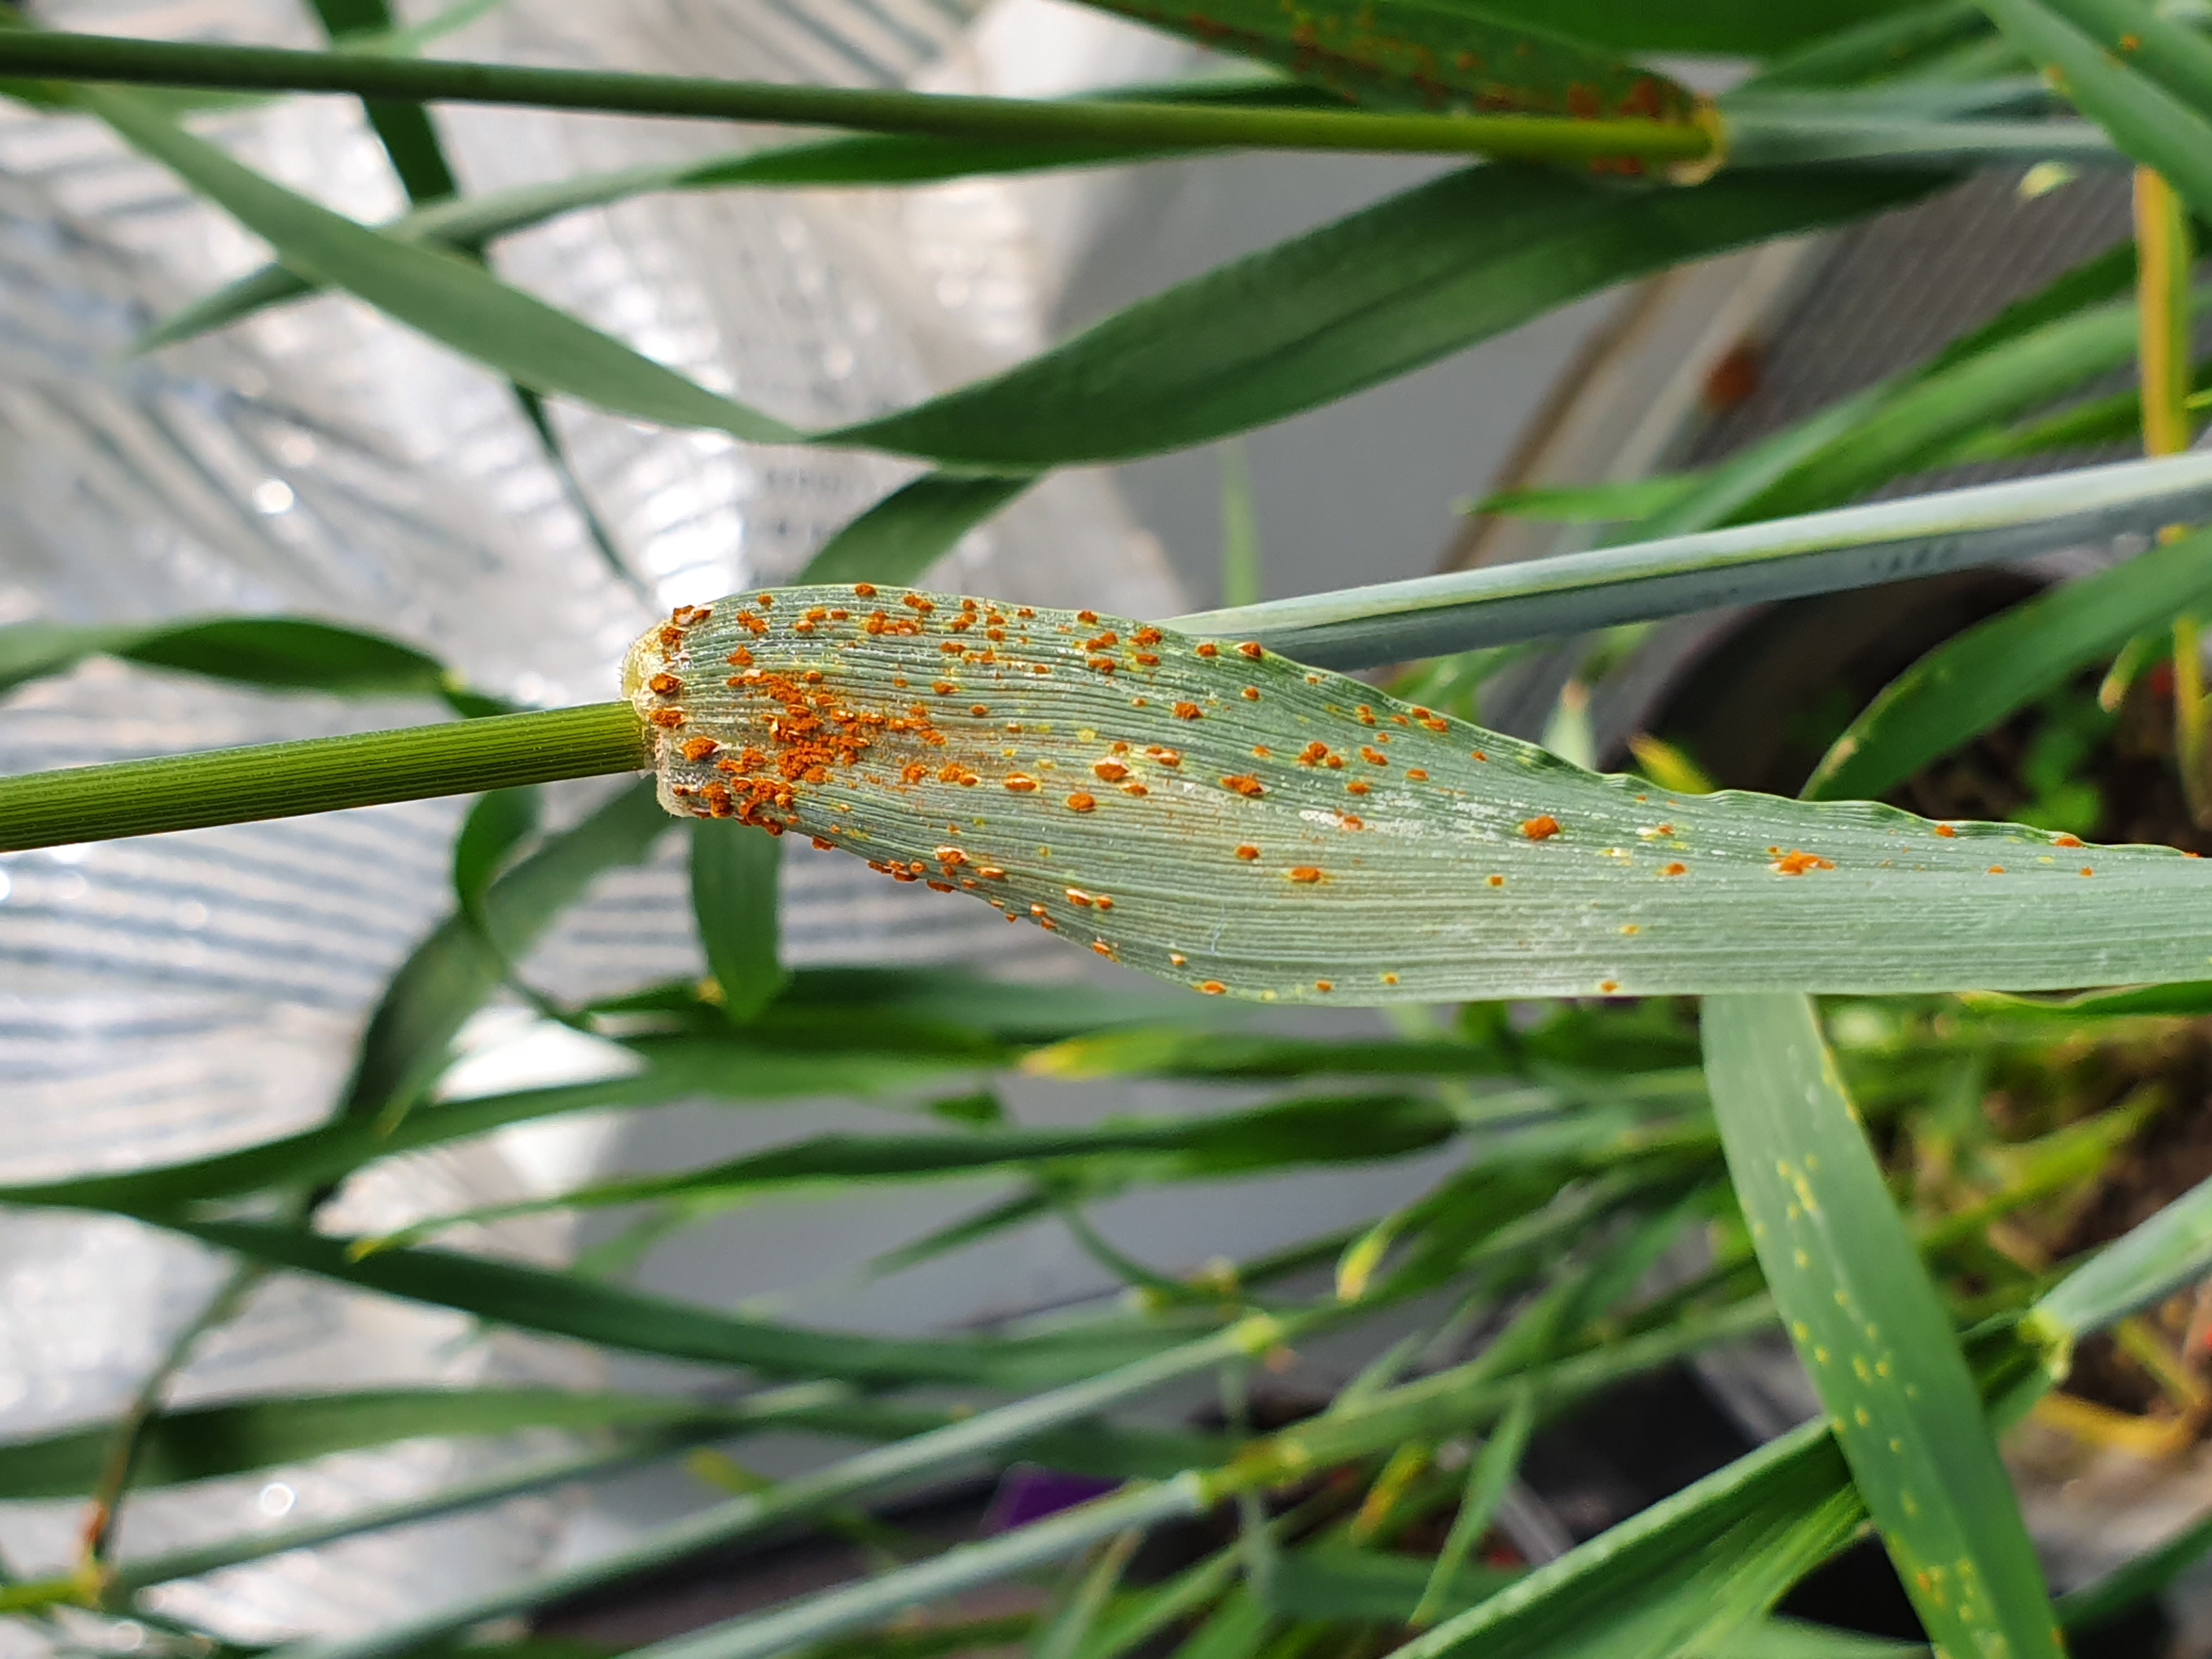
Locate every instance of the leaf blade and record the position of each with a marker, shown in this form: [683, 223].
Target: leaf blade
[1222, 817]
[1878, 1345]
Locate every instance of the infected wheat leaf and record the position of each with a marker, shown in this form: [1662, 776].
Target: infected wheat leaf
[1120, 785]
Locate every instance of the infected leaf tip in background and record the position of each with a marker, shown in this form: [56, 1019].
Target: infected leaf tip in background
[1215, 814]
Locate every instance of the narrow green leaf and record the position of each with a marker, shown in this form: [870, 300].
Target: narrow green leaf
[2136, 1271]
[1685, 1572]
[1676, 572]
[1637, 498]
[410, 140]
[1072, 1625]
[878, 1469]
[2118, 90]
[1975, 679]
[563, 1304]
[1747, 28]
[2108, 275]
[1241, 580]
[1390, 54]
[1730, 490]
[1993, 385]
[275, 654]
[1327, 1132]
[1872, 1331]
[451, 973]
[498, 823]
[1223, 818]
[2154, 43]
[1348, 1586]
[1488, 1476]
[627, 1451]
[734, 901]
[962, 1568]
[1188, 1051]
[208, 1441]
[909, 531]
[839, 1031]
[449, 299]
[109, 58]
[1880, 46]
[1372, 296]
[2129, 1586]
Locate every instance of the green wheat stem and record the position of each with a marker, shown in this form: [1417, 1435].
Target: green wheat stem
[29, 54]
[318, 774]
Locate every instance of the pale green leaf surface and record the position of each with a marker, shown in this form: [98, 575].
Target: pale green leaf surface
[1364, 1587]
[1136, 777]
[1872, 1332]
[499, 823]
[1978, 678]
[1676, 572]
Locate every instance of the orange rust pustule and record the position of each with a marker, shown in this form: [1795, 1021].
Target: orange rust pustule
[810, 736]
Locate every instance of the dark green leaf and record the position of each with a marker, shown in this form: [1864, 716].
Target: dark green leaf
[446, 298]
[499, 823]
[450, 974]
[1371, 297]
[734, 901]
[1747, 28]
[1872, 1330]
[563, 1304]
[1894, 38]
[277, 654]
[206, 1442]
[1399, 54]
[909, 531]
[1327, 1132]
[1348, 1586]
